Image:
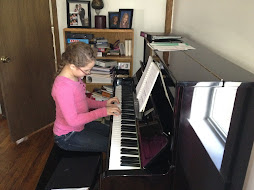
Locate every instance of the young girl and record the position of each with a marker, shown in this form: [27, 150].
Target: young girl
[74, 128]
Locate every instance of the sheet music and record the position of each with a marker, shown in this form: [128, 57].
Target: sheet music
[146, 83]
[150, 59]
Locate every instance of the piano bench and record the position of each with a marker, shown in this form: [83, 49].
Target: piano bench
[70, 169]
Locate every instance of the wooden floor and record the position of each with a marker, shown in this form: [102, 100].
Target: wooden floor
[21, 165]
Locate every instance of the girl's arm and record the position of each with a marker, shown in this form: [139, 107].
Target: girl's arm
[95, 104]
[64, 98]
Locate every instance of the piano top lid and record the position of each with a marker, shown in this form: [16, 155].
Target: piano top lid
[183, 69]
[218, 65]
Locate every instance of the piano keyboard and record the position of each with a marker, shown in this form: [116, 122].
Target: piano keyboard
[124, 152]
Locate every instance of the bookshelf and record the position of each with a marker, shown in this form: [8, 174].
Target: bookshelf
[111, 35]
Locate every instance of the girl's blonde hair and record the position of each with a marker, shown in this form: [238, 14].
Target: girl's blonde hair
[78, 54]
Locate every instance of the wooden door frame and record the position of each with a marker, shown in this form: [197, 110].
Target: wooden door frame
[56, 31]
[169, 15]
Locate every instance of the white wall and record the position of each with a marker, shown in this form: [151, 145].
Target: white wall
[226, 27]
[148, 15]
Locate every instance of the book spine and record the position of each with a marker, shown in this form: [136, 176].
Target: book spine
[126, 45]
[106, 94]
[71, 40]
[143, 34]
[101, 64]
[129, 46]
[122, 48]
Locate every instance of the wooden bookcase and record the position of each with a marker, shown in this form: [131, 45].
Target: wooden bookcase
[111, 35]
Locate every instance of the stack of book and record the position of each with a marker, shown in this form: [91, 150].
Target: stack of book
[113, 52]
[102, 45]
[102, 72]
[106, 63]
[77, 37]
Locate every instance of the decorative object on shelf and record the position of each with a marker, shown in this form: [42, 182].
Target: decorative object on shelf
[100, 20]
[125, 18]
[97, 5]
[113, 19]
[78, 14]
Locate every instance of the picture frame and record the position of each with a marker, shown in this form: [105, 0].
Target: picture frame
[125, 18]
[113, 20]
[124, 65]
[78, 14]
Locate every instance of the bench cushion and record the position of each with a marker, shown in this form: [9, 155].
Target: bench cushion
[69, 169]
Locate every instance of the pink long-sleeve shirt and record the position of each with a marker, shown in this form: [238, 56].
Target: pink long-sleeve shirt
[72, 106]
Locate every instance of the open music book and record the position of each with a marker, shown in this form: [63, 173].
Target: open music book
[146, 83]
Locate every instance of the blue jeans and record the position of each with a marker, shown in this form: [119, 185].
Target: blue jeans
[93, 138]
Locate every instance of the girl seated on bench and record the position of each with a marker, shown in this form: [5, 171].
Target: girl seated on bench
[74, 127]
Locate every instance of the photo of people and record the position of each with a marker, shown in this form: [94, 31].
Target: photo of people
[125, 18]
[74, 19]
[113, 19]
[79, 14]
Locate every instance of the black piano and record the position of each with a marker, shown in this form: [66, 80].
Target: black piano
[174, 144]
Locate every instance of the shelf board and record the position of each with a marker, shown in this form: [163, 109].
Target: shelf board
[97, 30]
[121, 58]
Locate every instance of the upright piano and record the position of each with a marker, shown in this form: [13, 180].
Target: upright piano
[166, 146]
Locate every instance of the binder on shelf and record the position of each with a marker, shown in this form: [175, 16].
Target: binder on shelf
[154, 36]
[146, 83]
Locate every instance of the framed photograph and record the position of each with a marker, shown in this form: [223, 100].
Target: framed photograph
[78, 14]
[113, 19]
[125, 18]
[124, 65]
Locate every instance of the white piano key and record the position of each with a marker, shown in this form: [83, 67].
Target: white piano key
[115, 147]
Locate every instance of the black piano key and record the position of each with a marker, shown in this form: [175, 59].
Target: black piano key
[127, 110]
[130, 161]
[133, 165]
[126, 129]
[127, 106]
[127, 102]
[130, 158]
[128, 117]
[130, 135]
[130, 125]
[128, 113]
[128, 122]
[129, 151]
[125, 144]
